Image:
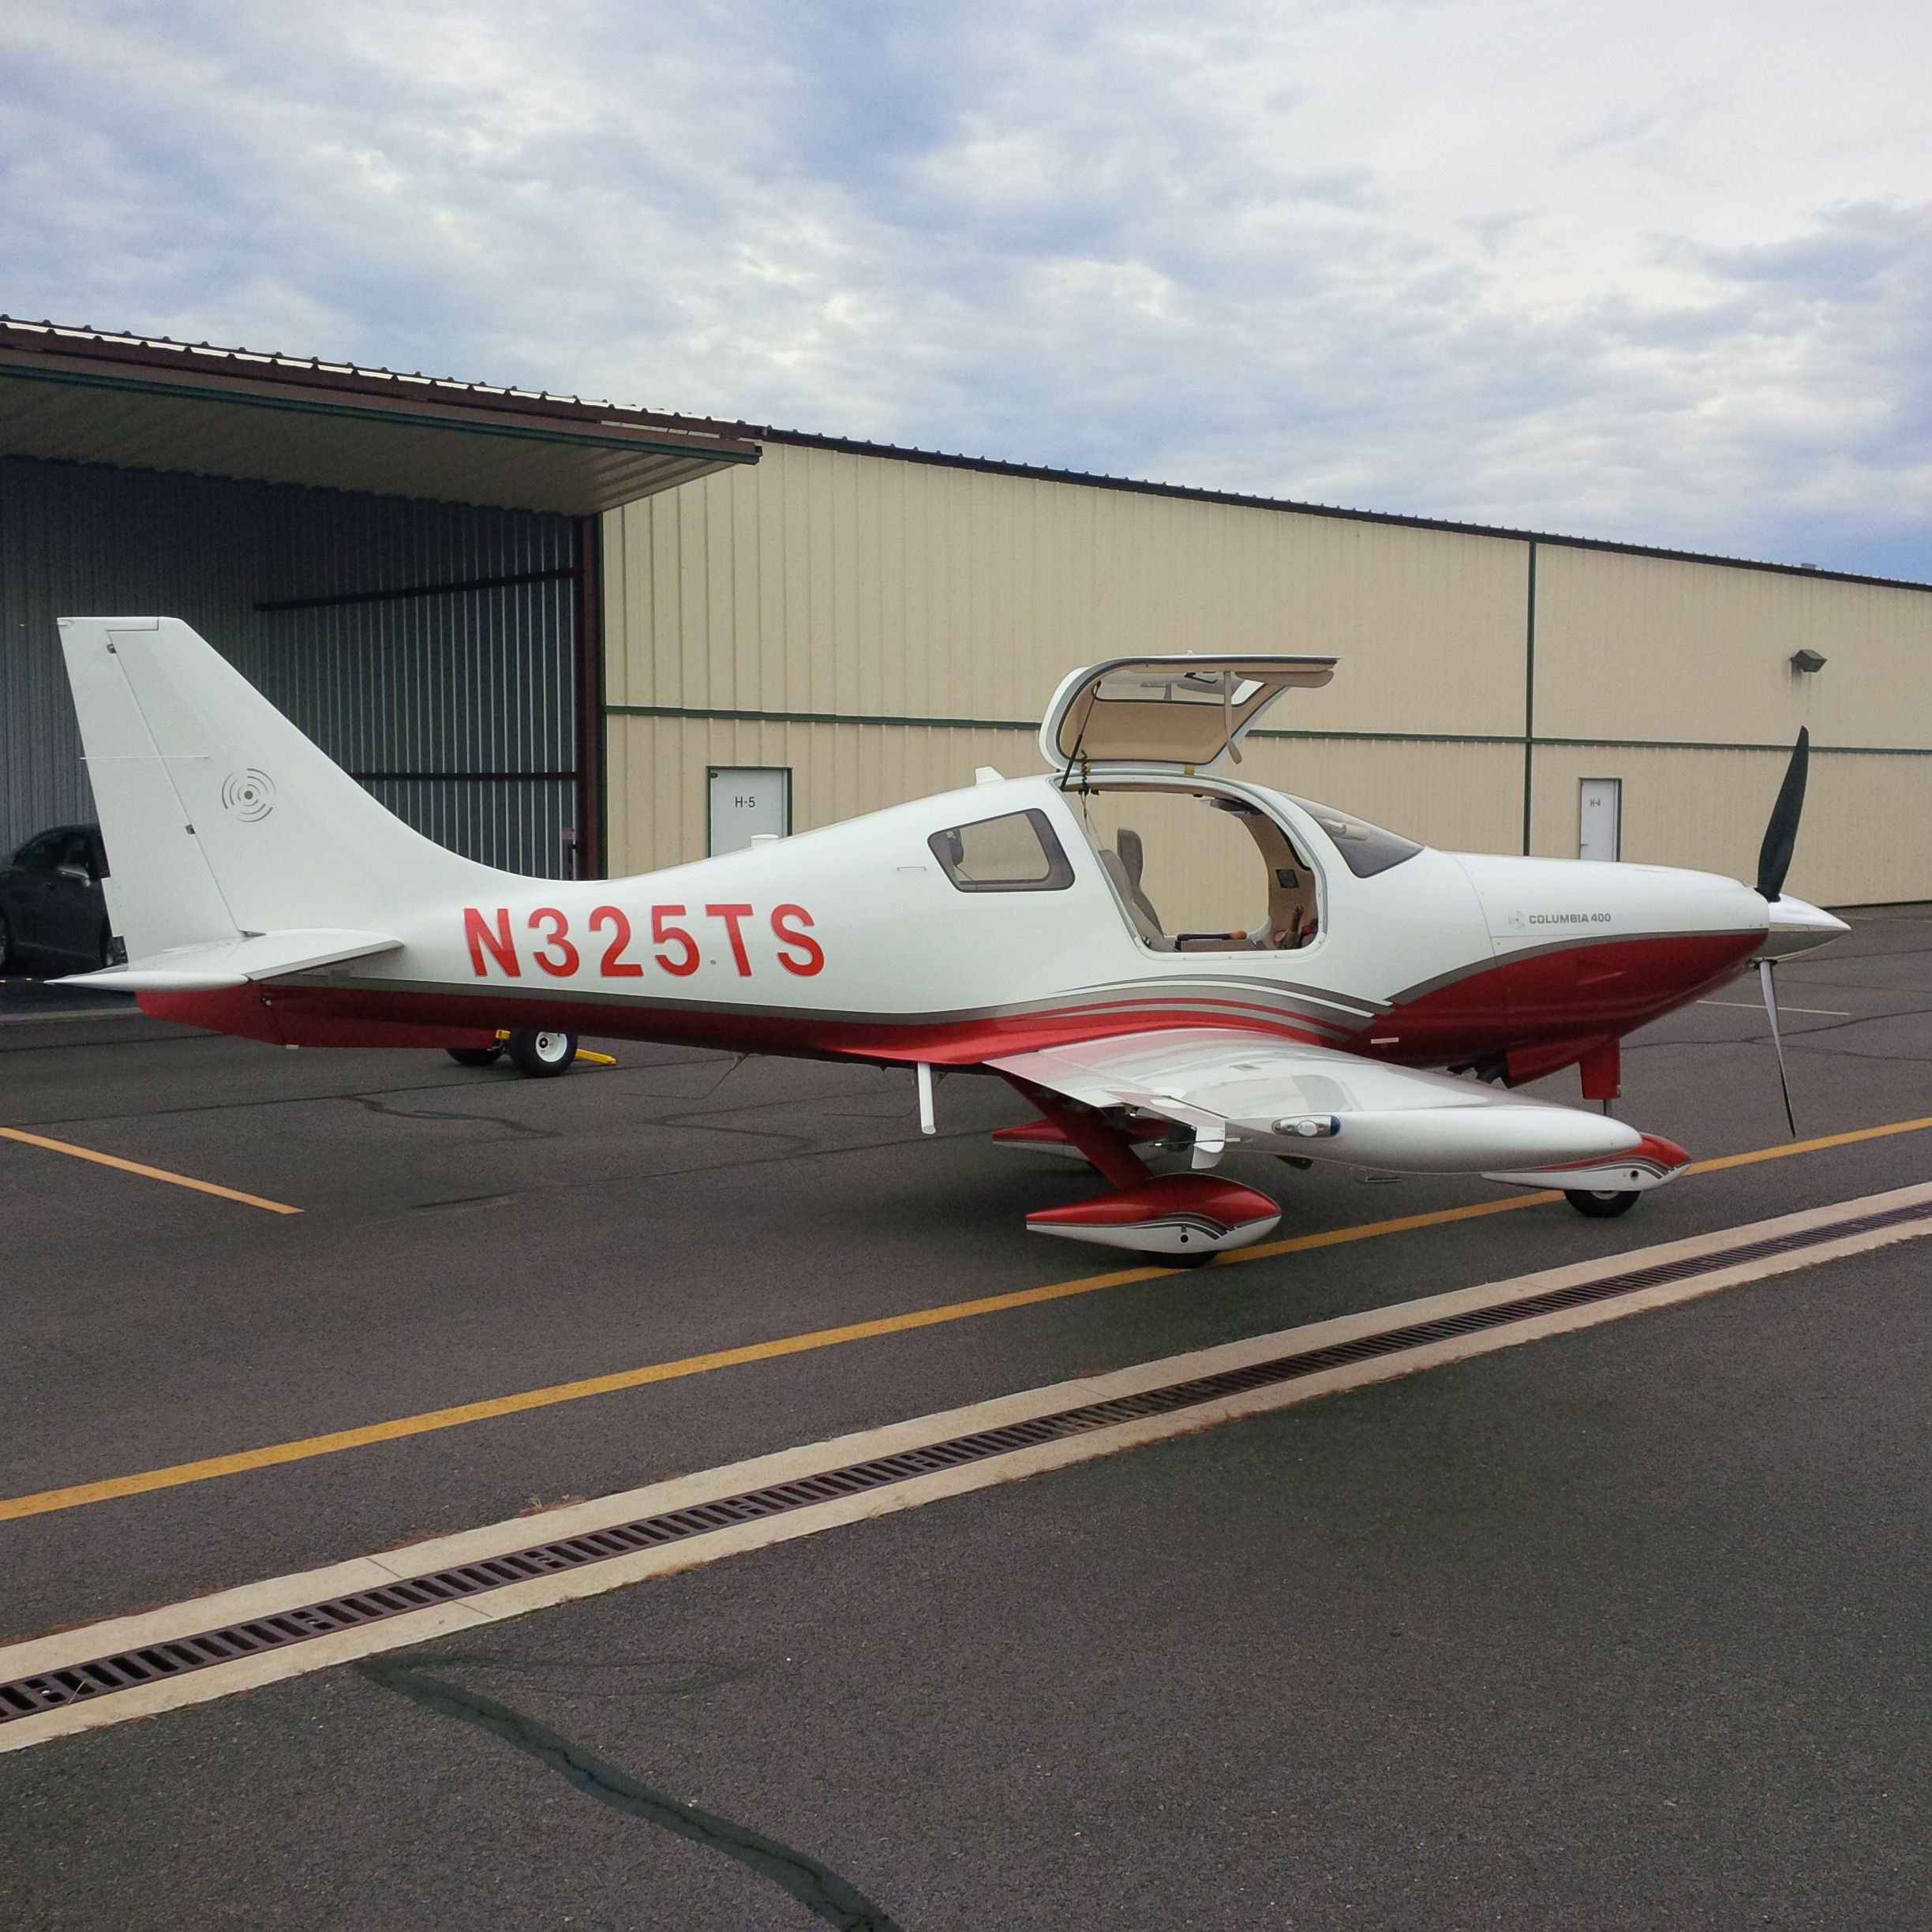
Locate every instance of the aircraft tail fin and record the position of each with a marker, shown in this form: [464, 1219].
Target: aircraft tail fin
[221, 821]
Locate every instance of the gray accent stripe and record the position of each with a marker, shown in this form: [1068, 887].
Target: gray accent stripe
[1130, 997]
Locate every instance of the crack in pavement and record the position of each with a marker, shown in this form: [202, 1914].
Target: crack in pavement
[820, 1890]
[517, 1130]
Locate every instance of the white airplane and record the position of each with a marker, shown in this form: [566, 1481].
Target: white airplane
[258, 890]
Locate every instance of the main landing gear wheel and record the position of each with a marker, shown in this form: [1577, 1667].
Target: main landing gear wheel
[542, 1055]
[1155, 1257]
[474, 1056]
[1601, 1204]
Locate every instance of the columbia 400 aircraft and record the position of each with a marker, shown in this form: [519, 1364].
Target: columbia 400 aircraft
[1378, 1017]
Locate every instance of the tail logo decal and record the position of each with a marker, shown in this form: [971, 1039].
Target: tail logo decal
[249, 795]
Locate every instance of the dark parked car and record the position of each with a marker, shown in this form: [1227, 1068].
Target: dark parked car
[53, 916]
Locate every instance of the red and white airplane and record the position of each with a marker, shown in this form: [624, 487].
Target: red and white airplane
[258, 890]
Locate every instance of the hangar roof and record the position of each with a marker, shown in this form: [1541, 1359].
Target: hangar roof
[142, 403]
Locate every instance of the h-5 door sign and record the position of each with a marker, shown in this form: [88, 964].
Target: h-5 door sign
[748, 802]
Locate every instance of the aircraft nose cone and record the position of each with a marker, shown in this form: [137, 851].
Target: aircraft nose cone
[1797, 926]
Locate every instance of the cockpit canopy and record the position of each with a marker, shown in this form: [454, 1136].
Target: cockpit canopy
[1185, 711]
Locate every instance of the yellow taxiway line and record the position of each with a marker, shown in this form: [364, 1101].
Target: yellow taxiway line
[76, 1495]
[151, 1174]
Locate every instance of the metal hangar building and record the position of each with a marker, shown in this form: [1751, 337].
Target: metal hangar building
[568, 637]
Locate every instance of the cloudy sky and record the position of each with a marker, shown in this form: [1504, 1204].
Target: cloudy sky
[1649, 272]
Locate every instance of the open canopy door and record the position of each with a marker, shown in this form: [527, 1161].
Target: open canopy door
[1183, 711]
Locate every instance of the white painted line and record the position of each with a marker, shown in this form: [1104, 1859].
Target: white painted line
[34, 1656]
[1756, 1006]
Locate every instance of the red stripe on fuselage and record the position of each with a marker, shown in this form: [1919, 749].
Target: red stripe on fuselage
[1578, 993]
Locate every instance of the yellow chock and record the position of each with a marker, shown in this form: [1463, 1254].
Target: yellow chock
[583, 1052]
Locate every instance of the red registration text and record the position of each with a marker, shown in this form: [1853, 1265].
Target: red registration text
[494, 942]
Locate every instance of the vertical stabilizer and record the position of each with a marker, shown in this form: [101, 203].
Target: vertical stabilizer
[219, 817]
[161, 893]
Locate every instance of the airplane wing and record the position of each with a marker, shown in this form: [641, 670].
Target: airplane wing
[1281, 1096]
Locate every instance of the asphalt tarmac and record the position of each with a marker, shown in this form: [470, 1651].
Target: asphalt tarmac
[1628, 1627]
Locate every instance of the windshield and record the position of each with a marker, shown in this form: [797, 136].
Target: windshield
[1367, 849]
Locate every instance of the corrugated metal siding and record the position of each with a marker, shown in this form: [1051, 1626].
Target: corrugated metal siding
[478, 681]
[1645, 648]
[834, 583]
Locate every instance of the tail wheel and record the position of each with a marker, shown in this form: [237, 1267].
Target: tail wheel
[474, 1056]
[542, 1055]
[1601, 1204]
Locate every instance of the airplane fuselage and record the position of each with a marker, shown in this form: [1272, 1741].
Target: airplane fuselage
[853, 941]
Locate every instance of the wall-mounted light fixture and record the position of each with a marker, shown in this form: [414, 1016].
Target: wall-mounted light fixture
[1807, 661]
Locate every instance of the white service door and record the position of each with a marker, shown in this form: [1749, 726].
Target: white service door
[746, 802]
[1600, 813]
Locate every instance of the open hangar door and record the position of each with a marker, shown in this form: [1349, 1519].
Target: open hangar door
[432, 649]
[408, 566]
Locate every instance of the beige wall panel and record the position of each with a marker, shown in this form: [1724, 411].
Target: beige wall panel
[878, 587]
[1708, 809]
[1644, 648]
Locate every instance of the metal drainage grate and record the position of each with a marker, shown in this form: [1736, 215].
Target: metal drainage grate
[126, 1669]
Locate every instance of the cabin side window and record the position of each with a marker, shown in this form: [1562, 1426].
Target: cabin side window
[1017, 852]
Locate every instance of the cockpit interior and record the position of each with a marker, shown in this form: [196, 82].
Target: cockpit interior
[1201, 872]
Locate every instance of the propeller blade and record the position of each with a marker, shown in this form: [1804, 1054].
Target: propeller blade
[1770, 1000]
[1780, 837]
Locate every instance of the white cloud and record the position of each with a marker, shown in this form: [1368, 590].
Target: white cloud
[1639, 272]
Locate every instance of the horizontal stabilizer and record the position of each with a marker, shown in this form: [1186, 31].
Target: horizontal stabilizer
[234, 962]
